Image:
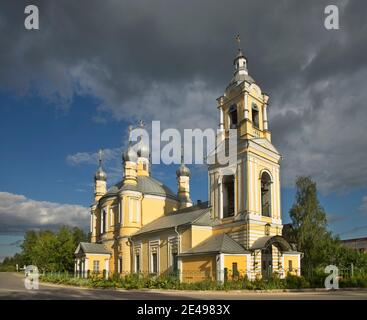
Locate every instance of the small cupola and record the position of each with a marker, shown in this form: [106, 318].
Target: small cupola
[100, 174]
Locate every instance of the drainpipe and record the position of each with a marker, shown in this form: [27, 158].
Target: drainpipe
[178, 252]
[131, 253]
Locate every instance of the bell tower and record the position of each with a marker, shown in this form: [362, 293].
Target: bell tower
[248, 190]
[244, 106]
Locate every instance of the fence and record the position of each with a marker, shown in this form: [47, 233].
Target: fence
[226, 275]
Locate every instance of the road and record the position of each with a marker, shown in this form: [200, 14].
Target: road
[12, 287]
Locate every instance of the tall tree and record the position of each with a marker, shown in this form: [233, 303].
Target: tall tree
[309, 224]
[51, 251]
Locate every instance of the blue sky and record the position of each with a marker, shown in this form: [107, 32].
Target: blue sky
[75, 85]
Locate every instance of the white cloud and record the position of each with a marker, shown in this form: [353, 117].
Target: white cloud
[18, 214]
[92, 157]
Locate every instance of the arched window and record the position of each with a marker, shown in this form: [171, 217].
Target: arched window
[265, 194]
[233, 116]
[255, 116]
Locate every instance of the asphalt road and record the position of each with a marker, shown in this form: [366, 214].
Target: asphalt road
[12, 287]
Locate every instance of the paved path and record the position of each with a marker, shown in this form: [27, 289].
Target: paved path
[12, 287]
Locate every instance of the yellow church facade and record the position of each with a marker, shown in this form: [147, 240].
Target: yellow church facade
[141, 226]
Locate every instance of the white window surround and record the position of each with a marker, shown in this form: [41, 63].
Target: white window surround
[138, 250]
[172, 240]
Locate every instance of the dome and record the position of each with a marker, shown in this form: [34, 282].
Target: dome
[183, 171]
[143, 150]
[146, 185]
[100, 175]
[130, 155]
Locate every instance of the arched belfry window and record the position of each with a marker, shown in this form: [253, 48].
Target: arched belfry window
[265, 194]
[255, 116]
[233, 116]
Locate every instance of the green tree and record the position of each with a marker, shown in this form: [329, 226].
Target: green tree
[309, 232]
[309, 225]
[52, 251]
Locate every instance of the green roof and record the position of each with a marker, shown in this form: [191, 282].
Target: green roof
[87, 247]
[220, 243]
[195, 215]
[145, 185]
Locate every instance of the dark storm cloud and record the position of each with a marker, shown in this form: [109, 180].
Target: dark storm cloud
[169, 60]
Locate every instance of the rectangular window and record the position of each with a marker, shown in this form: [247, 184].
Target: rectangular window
[120, 264]
[174, 262]
[154, 263]
[96, 266]
[137, 263]
[290, 265]
[235, 269]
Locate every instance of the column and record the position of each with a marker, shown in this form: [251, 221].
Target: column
[220, 211]
[76, 269]
[246, 111]
[107, 267]
[265, 116]
[86, 267]
[221, 123]
[220, 267]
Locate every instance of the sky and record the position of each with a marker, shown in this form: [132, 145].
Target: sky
[96, 67]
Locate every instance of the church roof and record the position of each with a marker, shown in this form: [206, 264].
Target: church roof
[87, 247]
[195, 215]
[220, 243]
[146, 185]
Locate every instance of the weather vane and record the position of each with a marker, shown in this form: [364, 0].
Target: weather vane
[238, 39]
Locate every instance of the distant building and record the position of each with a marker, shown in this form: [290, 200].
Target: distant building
[358, 244]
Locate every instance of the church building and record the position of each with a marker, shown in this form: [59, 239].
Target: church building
[139, 225]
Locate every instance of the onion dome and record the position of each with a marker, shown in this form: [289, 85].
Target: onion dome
[183, 171]
[100, 174]
[130, 155]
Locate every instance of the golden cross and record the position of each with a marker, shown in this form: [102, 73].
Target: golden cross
[100, 152]
[238, 39]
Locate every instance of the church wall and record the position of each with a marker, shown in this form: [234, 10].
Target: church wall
[157, 239]
[242, 261]
[199, 234]
[295, 259]
[154, 207]
[185, 240]
[97, 257]
[198, 268]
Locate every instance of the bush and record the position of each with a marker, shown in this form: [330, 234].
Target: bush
[139, 281]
